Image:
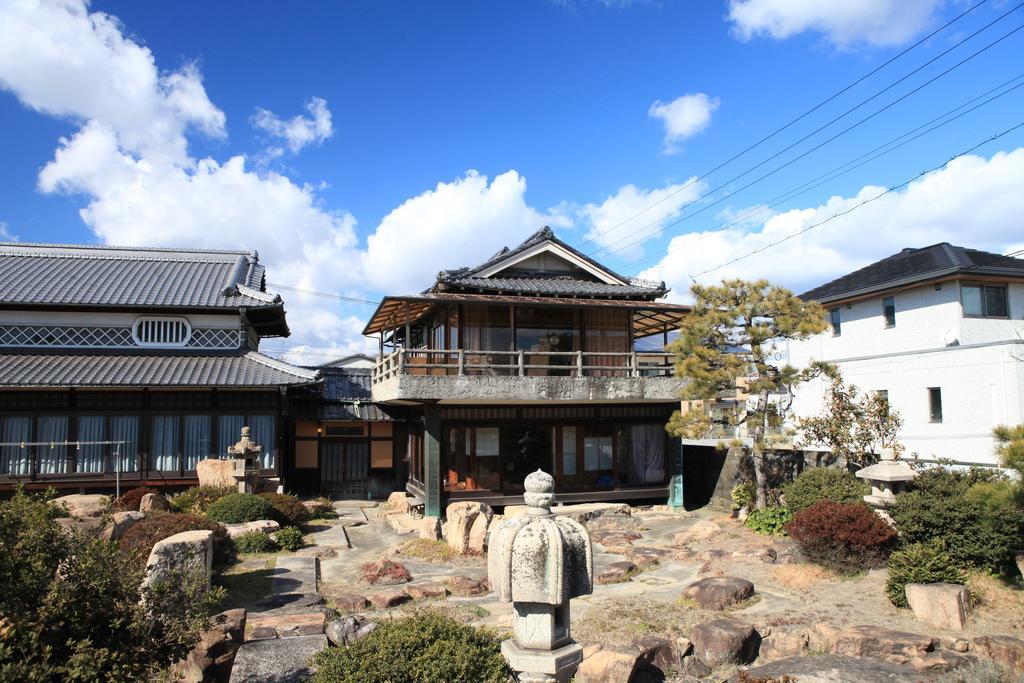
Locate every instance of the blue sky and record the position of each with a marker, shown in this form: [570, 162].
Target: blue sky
[455, 127]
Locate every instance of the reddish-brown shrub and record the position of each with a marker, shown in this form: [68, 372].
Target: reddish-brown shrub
[130, 499]
[385, 572]
[843, 537]
[157, 526]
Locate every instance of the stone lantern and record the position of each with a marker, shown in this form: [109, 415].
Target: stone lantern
[247, 464]
[538, 562]
[887, 478]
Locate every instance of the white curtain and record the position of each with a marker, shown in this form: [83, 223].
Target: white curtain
[196, 441]
[52, 430]
[15, 459]
[126, 428]
[90, 457]
[229, 431]
[264, 433]
[649, 453]
[165, 443]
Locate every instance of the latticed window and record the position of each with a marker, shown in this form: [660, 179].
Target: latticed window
[161, 331]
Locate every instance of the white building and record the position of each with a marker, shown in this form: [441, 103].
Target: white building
[939, 329]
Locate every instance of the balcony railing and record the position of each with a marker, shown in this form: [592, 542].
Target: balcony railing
[425, 362]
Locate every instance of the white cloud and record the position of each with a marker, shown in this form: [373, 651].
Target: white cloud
[973, 202]
[630, 217]
[298, 131]
[841, 22]
[460, 223]
[683, 117]
[5, 233]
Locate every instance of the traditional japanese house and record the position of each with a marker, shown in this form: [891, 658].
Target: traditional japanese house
[529, 361]
[133, 364]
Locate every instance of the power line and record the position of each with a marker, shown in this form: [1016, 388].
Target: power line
[326, 295]
[796, 120]
[842, 169]
[857, 206]
[607, 249]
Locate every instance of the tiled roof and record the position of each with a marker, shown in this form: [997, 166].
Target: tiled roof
[344, 395]
[912, 266]
[79, 275]
[558, 286]
[251, 369]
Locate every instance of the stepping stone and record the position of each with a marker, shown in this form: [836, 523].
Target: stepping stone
[387, 599]
[422, 591]
[719, 592]
[288, 603]
[617, 572]
[294, 575]
[464, 586]
[350, 602]
[288, 625]
[725, 641]
[279, 660]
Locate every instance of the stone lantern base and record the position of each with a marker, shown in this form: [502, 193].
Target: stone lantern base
[543, 666]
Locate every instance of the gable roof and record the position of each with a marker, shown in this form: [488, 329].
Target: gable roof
[913, 266]
[70, 275]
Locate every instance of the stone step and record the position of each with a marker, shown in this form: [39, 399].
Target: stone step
[276, 660]
[294, 575]
[261, 626]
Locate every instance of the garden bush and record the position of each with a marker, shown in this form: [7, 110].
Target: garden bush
[241, 507]
[198, 499]
[72, 605]
[131, 499]
[289, 538]
[919, 563]
[823, 483]
[427, 646]
[743, 495]
[971, 513]
[252, 542]
[769, 520]
[842, 537]
[322, 509]
[290, 509]
[143, 535]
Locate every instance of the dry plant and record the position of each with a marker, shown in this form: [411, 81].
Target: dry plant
[990, 592]
[437, 552]
[801, 576]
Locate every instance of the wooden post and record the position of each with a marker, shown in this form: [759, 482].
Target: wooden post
[635, 364]
[579, 363]
[462, 363]
[432, 461]
[522, 363]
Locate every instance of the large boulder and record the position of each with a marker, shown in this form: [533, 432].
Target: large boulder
[702, 530]
[780, 645]
[120, 522]
[211, 658]
[90, 526]
[830, 669]
[399, 501]
[267, 526]
[1006, 650]
[725, 641]
[719, 592]
[616, 572]
[430, 528]
[214, 472]
[154, 502]
[385, 572]
[187, 551]
[467, 525]
[872, 641]
[607, 665]
[939, 605]
[84, 505]
[659, 652]
[1019, 557]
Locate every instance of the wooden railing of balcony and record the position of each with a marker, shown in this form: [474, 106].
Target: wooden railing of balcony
[428, 362]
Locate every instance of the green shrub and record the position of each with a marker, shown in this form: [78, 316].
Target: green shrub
[919, 563]
[290, 509]
[743, 495]
[823, 483]
[72, 605]
[143, 535]
[289, 538]
[770, 520]
[968, 512]
[241, 507]
[322, 509]
[198, 499]
[131, 499]
[252, 542]
[427, 646]
[843, 537]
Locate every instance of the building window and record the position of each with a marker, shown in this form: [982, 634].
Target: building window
[569, 451]
[837, 324]
[161, 331]
[889, 308]
[935, 404]
[985, 301]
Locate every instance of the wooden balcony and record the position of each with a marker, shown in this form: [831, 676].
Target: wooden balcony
[474, 376]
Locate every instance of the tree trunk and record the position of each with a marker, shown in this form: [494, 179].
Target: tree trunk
[760, 484]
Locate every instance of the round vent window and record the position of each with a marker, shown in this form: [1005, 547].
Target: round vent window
[161, 331]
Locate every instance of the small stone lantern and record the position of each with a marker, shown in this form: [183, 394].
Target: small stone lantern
[887, 478]
[247, 468]
[538, 562]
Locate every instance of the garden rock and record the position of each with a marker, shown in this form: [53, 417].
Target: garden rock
[426, 590]
[267, 526]
[608, 665]
[120, 522]
[871, 641]
[1020, 563]
[719, 592]
[695, 668]
[288, 625]
[1006, 650]
[659, 652]
[725, 641]
[349, 630]
[386, 599]
[84, 505]
[616, 572]
[830, 669]
[430, 528]
[154, 502]
[644, 558]
[211, 658]
[214, 472]
[940, 661]
[939, 605]
[180, 552]
[780, 645]
[467, 525]
[350, 602]
[385, 572]
[399, 502]
[703, 530]
[277, 660]
[90, 526]
[465, 586]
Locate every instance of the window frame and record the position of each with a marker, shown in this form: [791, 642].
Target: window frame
[935, 417]
[836, 321]
[889, 302]
[982, 286]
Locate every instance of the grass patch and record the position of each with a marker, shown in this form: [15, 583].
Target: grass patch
[246, 586]
[993, 593]
[801, 576]
[424, 549]
[612, 622]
